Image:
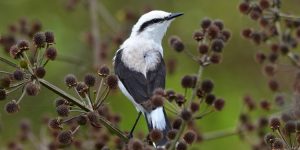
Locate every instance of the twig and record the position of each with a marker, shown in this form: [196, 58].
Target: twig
[178, 135]
[199, 75]
[8, 62]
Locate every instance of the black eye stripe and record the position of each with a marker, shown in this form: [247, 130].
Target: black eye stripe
[150, 22]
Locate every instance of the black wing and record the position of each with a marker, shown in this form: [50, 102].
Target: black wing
[139, 87]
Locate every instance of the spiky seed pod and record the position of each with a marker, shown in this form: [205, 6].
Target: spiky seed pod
[207, 86]
[82, 88]
[273, 85]
[63, 110]
[82, 120]
[70, 80]
[186, 115]
[264, 4]
[89, 80]
[51, 53]
[92, 116]
[290, 127]
[49, 37]
[32, 89]
[5, 82]
[177, 123]
[217, 45]
[156, 135]
[2, 94]
[135, 144]
[39, 39]
[260, 57]
[274, 123]
[65, 137]
[15, 52]
[112, 82]
[278, 144]
[210, 98]
[12, 107]
[219, 24]
[179, 99]
[205, 23]
[172, 134]
[181, 146]
[18, 75]
[219, 104]
[103, 71]
[23, 45]
[215, 58]
[187, 81]
[178, 46]
[265, 105]
[198, 35]
[269, 138]
[60, 101]
[189, 137]
[54, 124]
[194, 107]
[157, 101]
[203, 48]
[244, 8]
[159, 91]
[226, 35]
[172, 39]
[40, 72]
[213, 31]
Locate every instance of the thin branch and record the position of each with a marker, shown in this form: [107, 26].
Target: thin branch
[199, 75]
[178, 135]
[8, 62]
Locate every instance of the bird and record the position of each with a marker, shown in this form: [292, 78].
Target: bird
[140, 68]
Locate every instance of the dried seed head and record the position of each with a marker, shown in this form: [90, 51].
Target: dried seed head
[159, 91]
[135, 144]
[82, 88]
[60, 101]
[70, 80]
[32, 89]
[82, 120]
[12, 107]
[89, 80]
[5, 82]
[112, 82]
[217, 45]
[274, 123]
[280, 100]
[187, 82]
[49, 37]
[157, 100]
[23, 45]
[180, 99]
[198, 36]
[186, 115]
[2, 94]
[40, 72]
[92, 116]
[278, 144]
[203, 48]
[263, 122]
[260, 57]
[264, 4]
[265, 105]
[269, 138]
[18, 75]
[63, 110]
[65, 137]
[290, 127]
[244, 7]
[54, 124]
[181, 146]
[156, 135]
[269, 70]
[15, 52]
[103, 71]
[219, 104]
[205, 23]
[284, 49]
[246, 33]
[178, 46]
[226, 35]
[189, 137]
[51, 53]
[219, 24]
[210, 98]
[213, 31]
[194, 107]
[171, 95]
[172, 39]
[172, 134]
[207, 86]
[39, 39]
[177, 123]
[215, 58]
[273, 85]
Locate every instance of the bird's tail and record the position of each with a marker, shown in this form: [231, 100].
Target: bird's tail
[157, 119]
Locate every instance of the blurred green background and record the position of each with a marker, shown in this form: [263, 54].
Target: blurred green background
[236, 76]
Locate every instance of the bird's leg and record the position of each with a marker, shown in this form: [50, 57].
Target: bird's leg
[135, 123]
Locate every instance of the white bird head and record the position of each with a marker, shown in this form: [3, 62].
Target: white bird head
[153, 25]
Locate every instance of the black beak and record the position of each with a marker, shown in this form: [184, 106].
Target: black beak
[174, 15]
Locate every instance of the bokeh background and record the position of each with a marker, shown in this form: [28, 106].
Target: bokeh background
[236, 76]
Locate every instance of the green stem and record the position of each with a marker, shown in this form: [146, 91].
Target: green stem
[199, 75]
[204, 114]
[8, 62]
[178, 135]
[219, 134]
[99, 89]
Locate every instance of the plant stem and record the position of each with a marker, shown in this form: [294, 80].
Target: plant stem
[178, 135]
[199, 75]
[204, 114]
[219, 134]
[99, 89]
[8, 62]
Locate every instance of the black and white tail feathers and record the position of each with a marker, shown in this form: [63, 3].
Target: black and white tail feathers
[157, 119]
